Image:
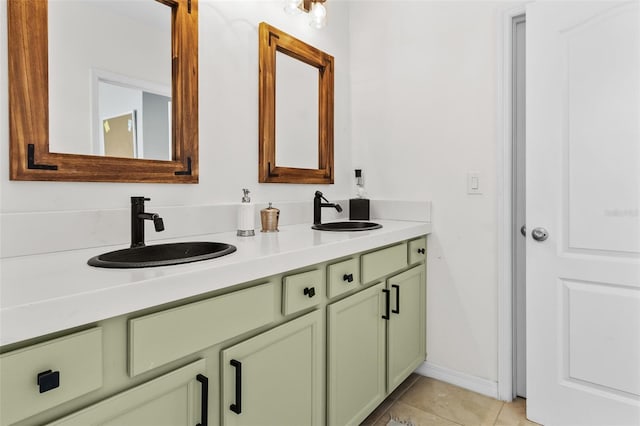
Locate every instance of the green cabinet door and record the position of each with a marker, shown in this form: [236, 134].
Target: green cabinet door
[406, 325]
[174, 399]
[274, 378]
[356, 356]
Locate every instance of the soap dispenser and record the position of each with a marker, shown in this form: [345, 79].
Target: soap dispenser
[359, 206]
[246, 213]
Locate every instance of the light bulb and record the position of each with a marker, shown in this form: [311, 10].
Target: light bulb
[317, 15]
[291, 7]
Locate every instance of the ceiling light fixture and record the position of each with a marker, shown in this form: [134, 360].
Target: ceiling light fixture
[315, 8]
[317, 15]
[293, 7]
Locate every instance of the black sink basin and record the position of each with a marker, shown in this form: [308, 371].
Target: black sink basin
[161, 255]
[347, 226]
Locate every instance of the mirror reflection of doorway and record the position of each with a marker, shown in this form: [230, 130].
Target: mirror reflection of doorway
[115, 94]
[120, 135]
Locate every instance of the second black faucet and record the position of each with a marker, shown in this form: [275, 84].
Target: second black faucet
[317, 207]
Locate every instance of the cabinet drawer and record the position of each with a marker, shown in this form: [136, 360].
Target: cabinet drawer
[342, 277]
[166, 336]
[383, 262]
[417, 250]
[74, 362]
[301, 291]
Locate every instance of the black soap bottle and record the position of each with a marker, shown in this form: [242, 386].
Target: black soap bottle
[359, 206]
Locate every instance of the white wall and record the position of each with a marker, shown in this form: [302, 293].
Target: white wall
[423, 115]
[228, 118]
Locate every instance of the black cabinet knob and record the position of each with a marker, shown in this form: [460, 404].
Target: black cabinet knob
[421, 251]
[348, 278]
[48, 380]
[310, 291]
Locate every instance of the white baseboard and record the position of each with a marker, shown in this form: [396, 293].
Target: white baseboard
[463, 380]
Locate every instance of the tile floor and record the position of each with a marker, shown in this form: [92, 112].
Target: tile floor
[422, 401]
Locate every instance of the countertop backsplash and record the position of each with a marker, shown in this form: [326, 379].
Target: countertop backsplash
[26, 234]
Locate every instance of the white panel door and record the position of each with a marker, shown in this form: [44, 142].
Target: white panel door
[583, 188]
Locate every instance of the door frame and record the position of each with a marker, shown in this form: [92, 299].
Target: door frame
[505, 236]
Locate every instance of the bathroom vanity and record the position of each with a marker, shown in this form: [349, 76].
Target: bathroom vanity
[300, 327]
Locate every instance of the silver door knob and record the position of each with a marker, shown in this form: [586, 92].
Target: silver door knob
[523, 230]
[540, 234]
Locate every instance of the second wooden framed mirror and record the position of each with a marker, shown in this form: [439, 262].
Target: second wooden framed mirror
[303, 151]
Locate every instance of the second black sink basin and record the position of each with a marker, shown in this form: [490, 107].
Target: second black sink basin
[347, 226]
[161, 255]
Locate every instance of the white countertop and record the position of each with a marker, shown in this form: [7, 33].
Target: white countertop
[45, 293]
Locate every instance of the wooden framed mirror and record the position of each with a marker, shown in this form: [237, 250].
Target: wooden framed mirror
[311, 141]
[32, 158]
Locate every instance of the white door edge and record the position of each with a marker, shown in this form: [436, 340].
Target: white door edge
[506, 390]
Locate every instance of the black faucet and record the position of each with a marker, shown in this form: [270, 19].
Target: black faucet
[138, 216]
[317, 207]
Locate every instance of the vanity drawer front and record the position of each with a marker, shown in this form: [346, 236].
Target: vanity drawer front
[342, 277]
[166, 336]
[68, 367]
[383, 262]
[301, 291]
[417, 250]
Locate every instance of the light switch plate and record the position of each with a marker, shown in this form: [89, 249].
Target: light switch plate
[473, 183]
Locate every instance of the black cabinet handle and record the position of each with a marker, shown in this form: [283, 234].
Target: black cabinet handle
[348, 278]
[397, 309]
[48, 380]
[386, 304]
[310, 291]
[421, 251]
[237, 407]
[204, 404]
